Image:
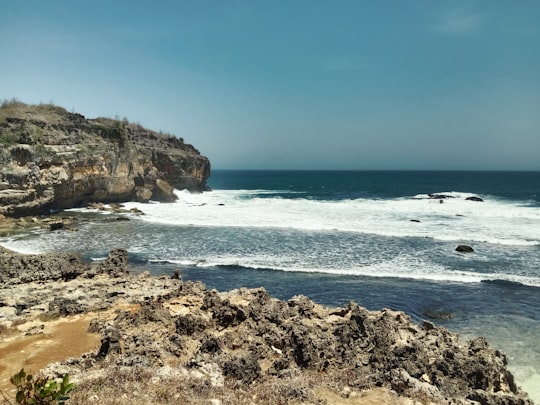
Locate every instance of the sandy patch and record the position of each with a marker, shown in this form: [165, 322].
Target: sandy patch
[59, 340]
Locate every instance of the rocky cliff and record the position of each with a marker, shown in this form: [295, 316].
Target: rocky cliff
[52, 159]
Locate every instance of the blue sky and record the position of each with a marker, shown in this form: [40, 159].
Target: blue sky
[294, 84]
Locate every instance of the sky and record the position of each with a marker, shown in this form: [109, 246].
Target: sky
[298, 84]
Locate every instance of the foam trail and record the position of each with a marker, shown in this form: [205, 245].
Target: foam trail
[457, 219]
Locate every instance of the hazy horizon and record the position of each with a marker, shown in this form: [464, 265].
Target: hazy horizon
[302, 85]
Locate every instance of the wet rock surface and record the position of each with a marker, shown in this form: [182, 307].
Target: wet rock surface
[246, 336]
[464, 249]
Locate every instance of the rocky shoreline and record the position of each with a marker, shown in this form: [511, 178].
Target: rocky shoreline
[163, 340]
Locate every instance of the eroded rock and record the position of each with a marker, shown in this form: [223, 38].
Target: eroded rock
[56, 160]
[246, 336]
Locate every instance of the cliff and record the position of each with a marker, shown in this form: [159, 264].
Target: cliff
[165, 341]
[52, 159]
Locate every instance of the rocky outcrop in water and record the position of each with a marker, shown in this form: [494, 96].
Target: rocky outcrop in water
[474, 198]
[244, 338]
[464, 249]
[52, 159]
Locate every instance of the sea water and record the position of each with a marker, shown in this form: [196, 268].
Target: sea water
[382, 239]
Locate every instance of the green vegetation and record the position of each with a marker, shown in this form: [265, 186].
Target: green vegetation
[121, 131]
[8, 138]
[40, 390]
[140, 386]
[111, 130]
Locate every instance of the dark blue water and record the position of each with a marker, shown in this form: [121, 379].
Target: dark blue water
[332, 185]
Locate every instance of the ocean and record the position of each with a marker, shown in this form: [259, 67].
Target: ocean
[385, 239]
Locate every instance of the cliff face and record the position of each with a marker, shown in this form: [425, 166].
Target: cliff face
[53, 159]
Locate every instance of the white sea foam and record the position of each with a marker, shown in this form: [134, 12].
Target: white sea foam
[293, 233]
[456, 219]
[406, 266]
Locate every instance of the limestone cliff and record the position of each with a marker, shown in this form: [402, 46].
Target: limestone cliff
[52, 159]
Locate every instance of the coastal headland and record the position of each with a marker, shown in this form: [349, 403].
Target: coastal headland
[52, 159]
[133, 338]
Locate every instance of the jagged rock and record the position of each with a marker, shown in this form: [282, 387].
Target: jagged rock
[163, 191]
[51, 159]
[152, 312]
[189, 325]
[111, 342]
[244, 368]
[18, 268]
[96, 326]
[210, 345]
[227, 315]
[66, 306]
[116, 264]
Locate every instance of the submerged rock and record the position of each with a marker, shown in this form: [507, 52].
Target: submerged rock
[440, 196]
[474, 198]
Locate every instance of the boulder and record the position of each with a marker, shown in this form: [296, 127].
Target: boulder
[116, 264]
[464, 249]
[55, 226]
[440, 196]
[111, 343]
[66, 306]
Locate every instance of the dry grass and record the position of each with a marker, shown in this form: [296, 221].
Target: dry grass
[141, 386]
[49, 113]
[138, 386]
[18, 321]
[48, 316]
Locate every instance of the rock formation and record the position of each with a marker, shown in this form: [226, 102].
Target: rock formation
[52, 159]
[177, 333]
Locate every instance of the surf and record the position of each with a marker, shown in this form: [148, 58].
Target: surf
[456, 219]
